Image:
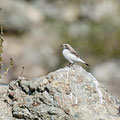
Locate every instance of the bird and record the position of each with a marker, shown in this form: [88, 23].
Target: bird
[71, 55]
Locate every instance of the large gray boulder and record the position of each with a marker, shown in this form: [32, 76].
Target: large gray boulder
[69, 93]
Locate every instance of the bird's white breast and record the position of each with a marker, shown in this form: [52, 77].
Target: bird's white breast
[66, 53]
[69, 56]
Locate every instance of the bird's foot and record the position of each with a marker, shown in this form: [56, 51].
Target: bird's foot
[70, 64]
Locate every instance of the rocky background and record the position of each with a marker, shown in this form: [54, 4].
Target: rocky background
[34, 30]
[69, 93]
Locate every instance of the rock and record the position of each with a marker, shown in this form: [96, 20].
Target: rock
[69, 93]
[108, 73]
[5, 109]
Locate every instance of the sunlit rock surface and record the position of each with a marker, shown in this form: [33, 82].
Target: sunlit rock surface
[5, 109]
[69, 93]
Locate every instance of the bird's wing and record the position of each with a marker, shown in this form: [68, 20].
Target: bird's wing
[74, 52]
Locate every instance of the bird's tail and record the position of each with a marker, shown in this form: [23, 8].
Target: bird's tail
[83, 62]
[86, 64]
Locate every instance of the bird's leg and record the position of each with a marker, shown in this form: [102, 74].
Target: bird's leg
[71, 64]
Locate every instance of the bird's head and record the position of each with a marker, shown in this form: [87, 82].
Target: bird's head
[65, 46]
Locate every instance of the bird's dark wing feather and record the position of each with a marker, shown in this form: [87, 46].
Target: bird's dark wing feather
[74, 52]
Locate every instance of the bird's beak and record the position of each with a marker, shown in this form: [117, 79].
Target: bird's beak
[61, 45]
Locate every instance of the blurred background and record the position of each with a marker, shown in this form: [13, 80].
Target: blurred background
[34, 30]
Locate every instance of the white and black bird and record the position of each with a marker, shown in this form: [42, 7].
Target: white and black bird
[71, 55]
